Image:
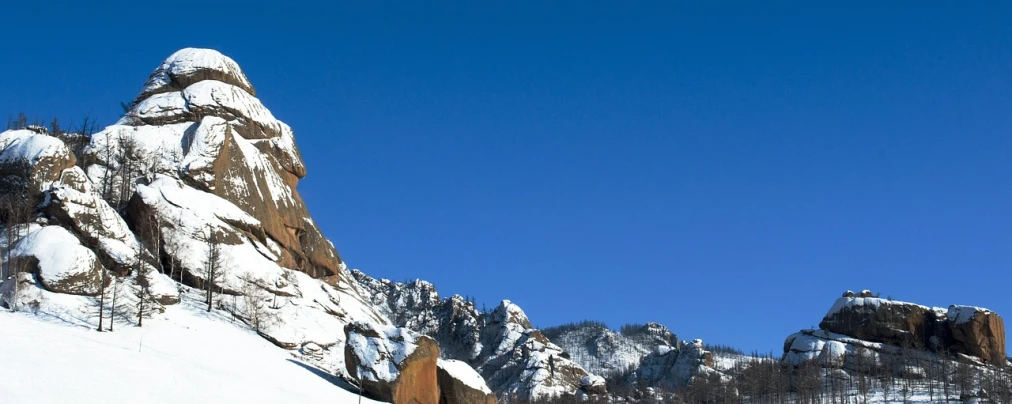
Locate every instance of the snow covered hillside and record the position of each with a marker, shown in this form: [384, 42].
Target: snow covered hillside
[185, 356]
[195, 188]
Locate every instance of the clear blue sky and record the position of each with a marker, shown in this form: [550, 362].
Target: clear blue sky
[728, 170]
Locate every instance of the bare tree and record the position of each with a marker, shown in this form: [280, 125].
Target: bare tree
[143, 299]
[128, 167]
[101, 299]
[256, 310]
[214, 265]
[112, 309]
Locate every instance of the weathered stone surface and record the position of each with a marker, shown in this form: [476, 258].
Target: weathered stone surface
[461, 384]
[854, 322]
[62, 264]
[978, 332]
[880, 320]
[393, 364]
[99, 226]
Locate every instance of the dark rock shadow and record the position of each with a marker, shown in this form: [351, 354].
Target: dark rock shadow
[337, 381]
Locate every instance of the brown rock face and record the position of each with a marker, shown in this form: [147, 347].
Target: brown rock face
[413, 380]
[978, 332]
[963, 329]
[419, 380]
[880, 320]
[231, 146]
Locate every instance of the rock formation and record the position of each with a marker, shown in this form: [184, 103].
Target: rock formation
[863, 327]
[33, 160]
[197, 120]
[393, 364]
[459, 383]
[593, 385]
[977, 332]
[62, 264]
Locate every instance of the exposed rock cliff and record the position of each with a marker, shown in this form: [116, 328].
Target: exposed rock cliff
[861, 331]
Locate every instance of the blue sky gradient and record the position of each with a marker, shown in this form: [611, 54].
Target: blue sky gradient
[726, 169]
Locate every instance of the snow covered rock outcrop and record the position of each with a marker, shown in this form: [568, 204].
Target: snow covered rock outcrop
[644, 356]
[72, 203]
[197, 120]
[593, 385]
[459, 383]
[63, 265]
[514, 358]
[393, 364]
[675, 367]
[32, 160]
[861, 331]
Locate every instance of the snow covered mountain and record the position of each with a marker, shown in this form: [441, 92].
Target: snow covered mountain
[194, 191]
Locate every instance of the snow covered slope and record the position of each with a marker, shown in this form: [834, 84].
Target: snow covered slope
[186, 356]
[606, 352]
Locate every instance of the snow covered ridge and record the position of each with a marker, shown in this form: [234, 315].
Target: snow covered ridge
[514, 358]
[607, 352]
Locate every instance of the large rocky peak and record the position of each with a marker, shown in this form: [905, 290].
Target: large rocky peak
[197, 121]
[196, 175]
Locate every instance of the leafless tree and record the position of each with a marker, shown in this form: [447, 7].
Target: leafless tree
[214, 265]
[112, 309]
[256, 311]
[143, 301]
[808, 382]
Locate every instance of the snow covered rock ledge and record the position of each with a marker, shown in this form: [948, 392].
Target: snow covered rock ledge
[593, 385]
[63, 265]
[32, 160]
[459, 383]
[392, 364]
